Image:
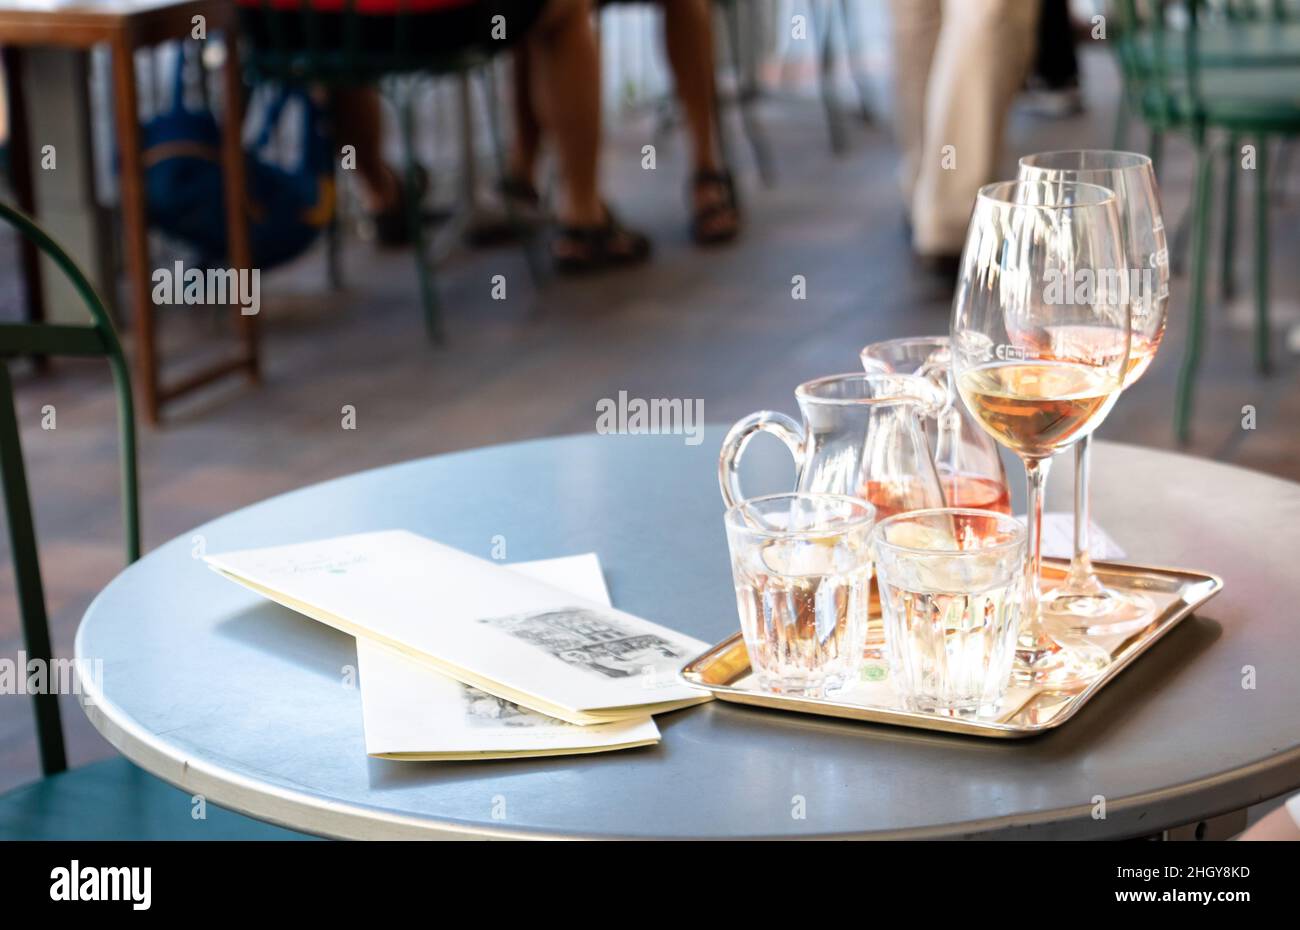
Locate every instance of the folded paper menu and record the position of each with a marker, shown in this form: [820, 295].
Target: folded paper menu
[501, 632]
[415, 714]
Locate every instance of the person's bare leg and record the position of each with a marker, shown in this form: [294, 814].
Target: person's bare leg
[358, 121]
[565, 75]
[688, 37]
[527, 141]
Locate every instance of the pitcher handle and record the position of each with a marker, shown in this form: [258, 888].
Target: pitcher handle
[784, 428]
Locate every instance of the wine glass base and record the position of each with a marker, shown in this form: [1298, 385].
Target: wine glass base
[1101, 612]
[1058, 668]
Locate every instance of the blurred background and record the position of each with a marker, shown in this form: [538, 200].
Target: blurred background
[790, 224]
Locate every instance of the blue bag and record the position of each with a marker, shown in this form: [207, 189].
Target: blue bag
[287, 207]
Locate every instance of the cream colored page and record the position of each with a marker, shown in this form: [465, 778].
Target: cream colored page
[412, 710]
[468, 613]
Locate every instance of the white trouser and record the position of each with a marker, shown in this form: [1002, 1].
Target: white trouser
[958, 65]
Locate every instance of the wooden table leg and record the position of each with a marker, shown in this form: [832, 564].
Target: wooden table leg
[135, 231]
[232, 159]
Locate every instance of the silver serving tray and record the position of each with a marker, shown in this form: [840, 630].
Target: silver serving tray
[724, 669]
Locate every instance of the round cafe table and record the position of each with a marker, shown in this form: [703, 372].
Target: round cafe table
[229, 696]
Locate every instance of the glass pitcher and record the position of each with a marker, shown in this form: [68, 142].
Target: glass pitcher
[862, 435]
[965, 456]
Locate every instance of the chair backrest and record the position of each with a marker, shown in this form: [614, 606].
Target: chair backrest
[1148, 30]
[43, 339]
[1275, 10]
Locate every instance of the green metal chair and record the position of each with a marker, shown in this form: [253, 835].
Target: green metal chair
[399, 72]
[1258, 33]
[1243, 34]
[1240, 89]
[112, 799]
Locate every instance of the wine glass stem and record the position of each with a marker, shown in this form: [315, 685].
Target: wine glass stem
[1036, 472]
[1081, 579]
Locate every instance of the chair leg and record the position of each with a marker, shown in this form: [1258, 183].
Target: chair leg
[405, 99]
[1179, 239]
[1121, 122]
[27, 578]
[1285, 150]
[746, 94]
[521, 230]
[1196, 320]
[724, 145]
[826, 75]
[1228, 258]
[725, 153]
[334, 244]
[1263, 363]
[852, 53]
[135, 226]
[1178, 242]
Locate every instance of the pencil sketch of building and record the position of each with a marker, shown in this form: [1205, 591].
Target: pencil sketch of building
[488, 710]
[593, 641]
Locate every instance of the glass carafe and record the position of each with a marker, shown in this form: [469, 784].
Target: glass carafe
[861, 435]
[966, 458]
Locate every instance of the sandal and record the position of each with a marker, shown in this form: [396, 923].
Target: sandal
[719, 220]
[581, 249]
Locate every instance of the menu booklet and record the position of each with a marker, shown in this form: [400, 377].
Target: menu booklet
[482, 624]
[415, 714]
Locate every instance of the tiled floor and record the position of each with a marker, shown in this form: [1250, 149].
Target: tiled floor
[717, 325]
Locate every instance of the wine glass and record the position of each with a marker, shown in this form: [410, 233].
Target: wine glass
[966, 458]
[1082, 602]
[1040, 337]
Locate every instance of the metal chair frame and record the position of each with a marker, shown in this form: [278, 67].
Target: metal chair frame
[99, 339]
[1167, 89]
